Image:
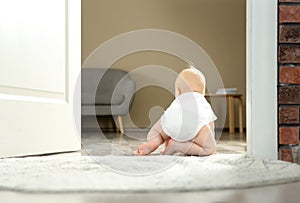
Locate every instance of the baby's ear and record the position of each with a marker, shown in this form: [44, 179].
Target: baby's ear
[177, 92]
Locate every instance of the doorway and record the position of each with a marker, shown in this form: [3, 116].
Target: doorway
[258, 101]
[205, 32]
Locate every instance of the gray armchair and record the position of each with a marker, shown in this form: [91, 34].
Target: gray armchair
[106, 92]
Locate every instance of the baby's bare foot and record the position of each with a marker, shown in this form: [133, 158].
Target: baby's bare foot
[144, 149]
[171, 148]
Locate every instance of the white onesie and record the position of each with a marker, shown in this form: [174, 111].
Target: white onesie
[186, 115]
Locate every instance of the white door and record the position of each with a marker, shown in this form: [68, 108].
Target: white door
[40, 62]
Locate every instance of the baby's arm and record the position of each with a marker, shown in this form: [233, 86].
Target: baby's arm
[155, 138]
[212, 127]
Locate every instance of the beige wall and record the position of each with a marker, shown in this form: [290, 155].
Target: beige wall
[218, 26]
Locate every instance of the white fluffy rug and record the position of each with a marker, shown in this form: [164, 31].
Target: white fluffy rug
[149, 173]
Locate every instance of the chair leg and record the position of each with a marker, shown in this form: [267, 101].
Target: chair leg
[117, 128]
[120, 122]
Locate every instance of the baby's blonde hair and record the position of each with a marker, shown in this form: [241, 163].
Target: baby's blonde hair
[190, 80]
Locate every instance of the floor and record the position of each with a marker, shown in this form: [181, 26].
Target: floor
[113, 143]
[97, 144]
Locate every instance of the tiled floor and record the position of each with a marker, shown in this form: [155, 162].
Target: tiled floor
[96, 143]
[232, 143]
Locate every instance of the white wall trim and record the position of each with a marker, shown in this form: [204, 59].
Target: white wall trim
[73, 45]
[262, 78]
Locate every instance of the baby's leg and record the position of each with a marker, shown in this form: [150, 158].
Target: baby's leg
[155, 138]
[206, 139]
[203, 144]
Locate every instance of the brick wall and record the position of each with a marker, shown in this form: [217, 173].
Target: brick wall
[289, 79]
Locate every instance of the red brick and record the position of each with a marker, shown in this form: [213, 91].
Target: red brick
[289, 34]
[289, 95]
[289, 75]
[289, 14]
[285, 154]
[288, 115]
[289, 54]
[289, 135]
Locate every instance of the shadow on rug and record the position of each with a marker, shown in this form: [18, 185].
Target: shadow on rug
[148, 173]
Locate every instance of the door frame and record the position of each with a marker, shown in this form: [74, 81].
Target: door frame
[261, 76]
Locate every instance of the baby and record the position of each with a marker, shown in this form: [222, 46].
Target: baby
[187, 126]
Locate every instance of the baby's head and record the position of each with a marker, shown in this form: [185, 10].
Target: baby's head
[190, 80]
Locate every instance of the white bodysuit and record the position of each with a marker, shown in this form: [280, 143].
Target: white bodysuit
[186, 115]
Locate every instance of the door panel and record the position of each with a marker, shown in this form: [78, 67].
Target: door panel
[33, 44]
[39, 76]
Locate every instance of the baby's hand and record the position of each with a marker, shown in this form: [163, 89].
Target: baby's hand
[139, 152]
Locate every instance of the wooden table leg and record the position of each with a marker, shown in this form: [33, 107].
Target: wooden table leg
[241, 114]
[231, 114]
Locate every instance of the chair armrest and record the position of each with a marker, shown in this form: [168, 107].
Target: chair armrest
[127, 90]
